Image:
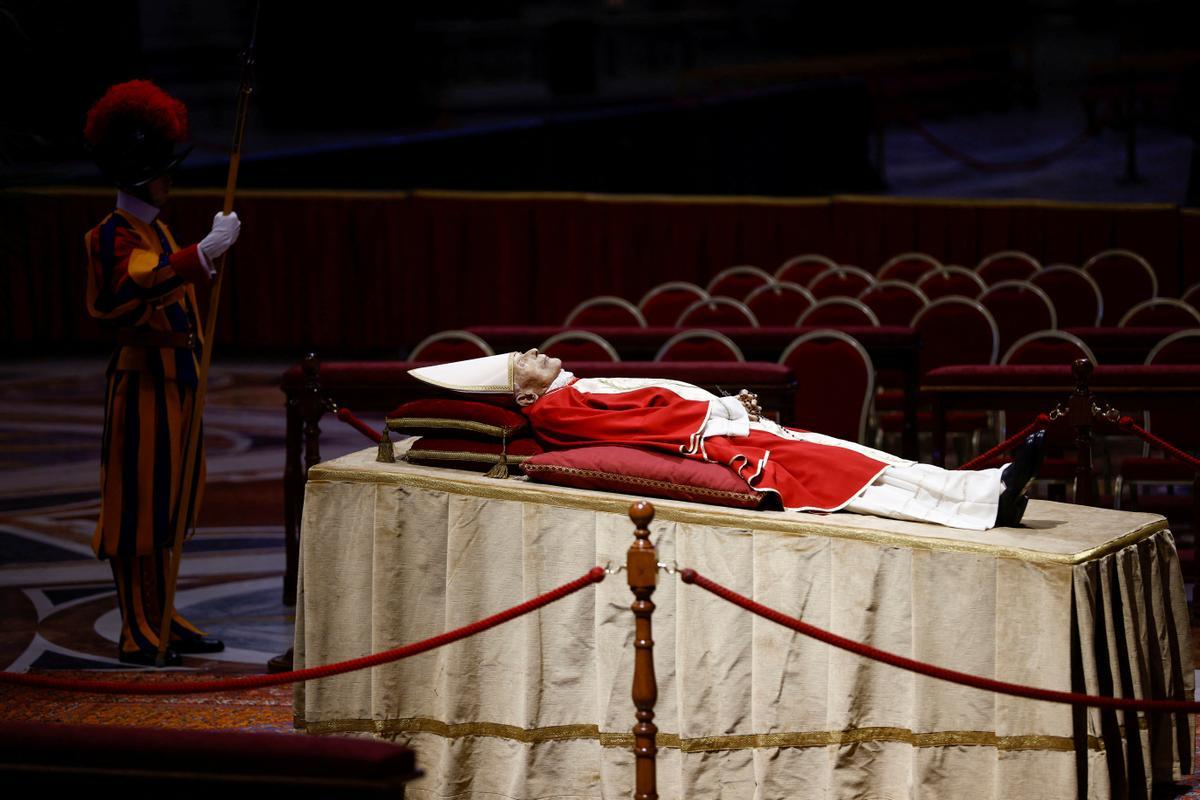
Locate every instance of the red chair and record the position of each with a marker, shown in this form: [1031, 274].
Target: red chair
[1019, 308]
[450, 346]
[839, 312]
[1177, 427]
[894, 302]
[716, 312]
[907, 267]
[1125, 279]
[579, 346]
[1007, 265]
[663, 304]
[1191, 296]
[837, 363]
[1047, 347]
[802, 269]
[951, 281]
[845, 281]
[737, 282]
[1075, 294]
[605, 311]
[699, 345]
[1161, 312]
[780, 303]
[955, 330]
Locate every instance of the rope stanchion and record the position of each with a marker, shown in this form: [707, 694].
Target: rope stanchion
[350, 418]
[1041, 421]
[1127, 423]
[594, 575]
[931, 670]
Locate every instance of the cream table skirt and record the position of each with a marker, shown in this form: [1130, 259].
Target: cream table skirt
[1083, 599]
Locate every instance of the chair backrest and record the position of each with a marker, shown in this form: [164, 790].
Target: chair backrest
[1161, 312]
[894, 302]
[1191, 296]
[579, 346]
[1125, 279]
[845, 281]
[1019, 308]
[951, 281]
[839, 364]
[717, 312]
[699, 345]
[663, 304]
[1176, 426]
[606, 311]
[450, 346]
[780, 303]
[839, 312]
[1075, 294]
[955, 330]
[1007, 265]
[907, 267]
[1047, 347]
[803, 268]
[737, 282]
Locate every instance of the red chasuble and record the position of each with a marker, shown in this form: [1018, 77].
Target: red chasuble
[671, 416]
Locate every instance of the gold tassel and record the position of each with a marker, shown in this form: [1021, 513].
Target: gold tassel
[500, 470]
[386, 453]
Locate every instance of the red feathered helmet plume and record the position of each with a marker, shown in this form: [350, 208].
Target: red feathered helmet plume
[137, 132]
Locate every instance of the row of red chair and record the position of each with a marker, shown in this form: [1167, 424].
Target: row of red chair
[1106, 290]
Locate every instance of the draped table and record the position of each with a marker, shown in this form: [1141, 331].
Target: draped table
[1083, 598]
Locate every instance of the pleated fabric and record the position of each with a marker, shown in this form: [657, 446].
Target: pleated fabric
[141, 594]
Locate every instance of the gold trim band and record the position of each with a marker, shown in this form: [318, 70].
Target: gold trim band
[499, 431]
[704, 744]
[461, 455]
[637, 480]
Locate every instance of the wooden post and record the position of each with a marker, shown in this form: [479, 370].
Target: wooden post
[1079, 416]
[642, 569]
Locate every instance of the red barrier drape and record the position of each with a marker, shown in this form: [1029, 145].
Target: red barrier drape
[377, 271]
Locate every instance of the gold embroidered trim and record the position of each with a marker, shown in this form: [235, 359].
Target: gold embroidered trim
[637, 480]
[704, 744]
[680, 511]
[400, 423]
[460, 455]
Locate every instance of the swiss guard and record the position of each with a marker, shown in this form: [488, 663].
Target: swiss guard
[142, 284]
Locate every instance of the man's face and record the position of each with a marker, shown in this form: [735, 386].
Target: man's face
[158, 189]
[533, 372]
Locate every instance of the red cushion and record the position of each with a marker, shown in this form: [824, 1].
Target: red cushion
[631, 471]
[470, 454]
[465, 418]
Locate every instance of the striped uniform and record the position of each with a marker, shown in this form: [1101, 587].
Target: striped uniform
[140, 280]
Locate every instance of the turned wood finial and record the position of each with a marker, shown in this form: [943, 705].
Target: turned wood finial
[1082, 369]
[642, 572]
[642, 514]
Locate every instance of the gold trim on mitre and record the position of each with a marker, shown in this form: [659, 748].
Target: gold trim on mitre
[475, 375]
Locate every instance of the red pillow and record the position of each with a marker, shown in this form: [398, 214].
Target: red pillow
[632, 471]
[470, 454]
[459, 418]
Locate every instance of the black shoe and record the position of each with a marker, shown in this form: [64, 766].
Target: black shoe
[1017, 478]
[197, 644]
[149, 658]
[281, 662]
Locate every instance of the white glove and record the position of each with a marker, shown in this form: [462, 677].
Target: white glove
[224, 233]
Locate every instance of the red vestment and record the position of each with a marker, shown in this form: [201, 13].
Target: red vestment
[672, 416]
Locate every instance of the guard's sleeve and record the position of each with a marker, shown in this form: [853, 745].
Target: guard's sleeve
[124, 277]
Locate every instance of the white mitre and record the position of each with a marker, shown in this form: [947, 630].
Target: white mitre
[476, 375]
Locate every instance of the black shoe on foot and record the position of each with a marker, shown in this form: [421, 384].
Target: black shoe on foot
[197, 644]
[149, 658]
[1017, 478]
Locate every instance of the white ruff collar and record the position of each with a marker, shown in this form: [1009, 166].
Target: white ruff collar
[138, 208]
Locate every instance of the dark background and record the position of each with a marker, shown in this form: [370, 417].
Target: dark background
[725, 96]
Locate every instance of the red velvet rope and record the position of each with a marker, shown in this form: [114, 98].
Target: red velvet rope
[594, 575]
[350, 418]
[930, 670]
[1041, 421]
[1023, 165]
[1128, 424]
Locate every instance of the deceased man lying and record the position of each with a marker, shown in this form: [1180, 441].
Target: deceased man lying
[806, 470]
